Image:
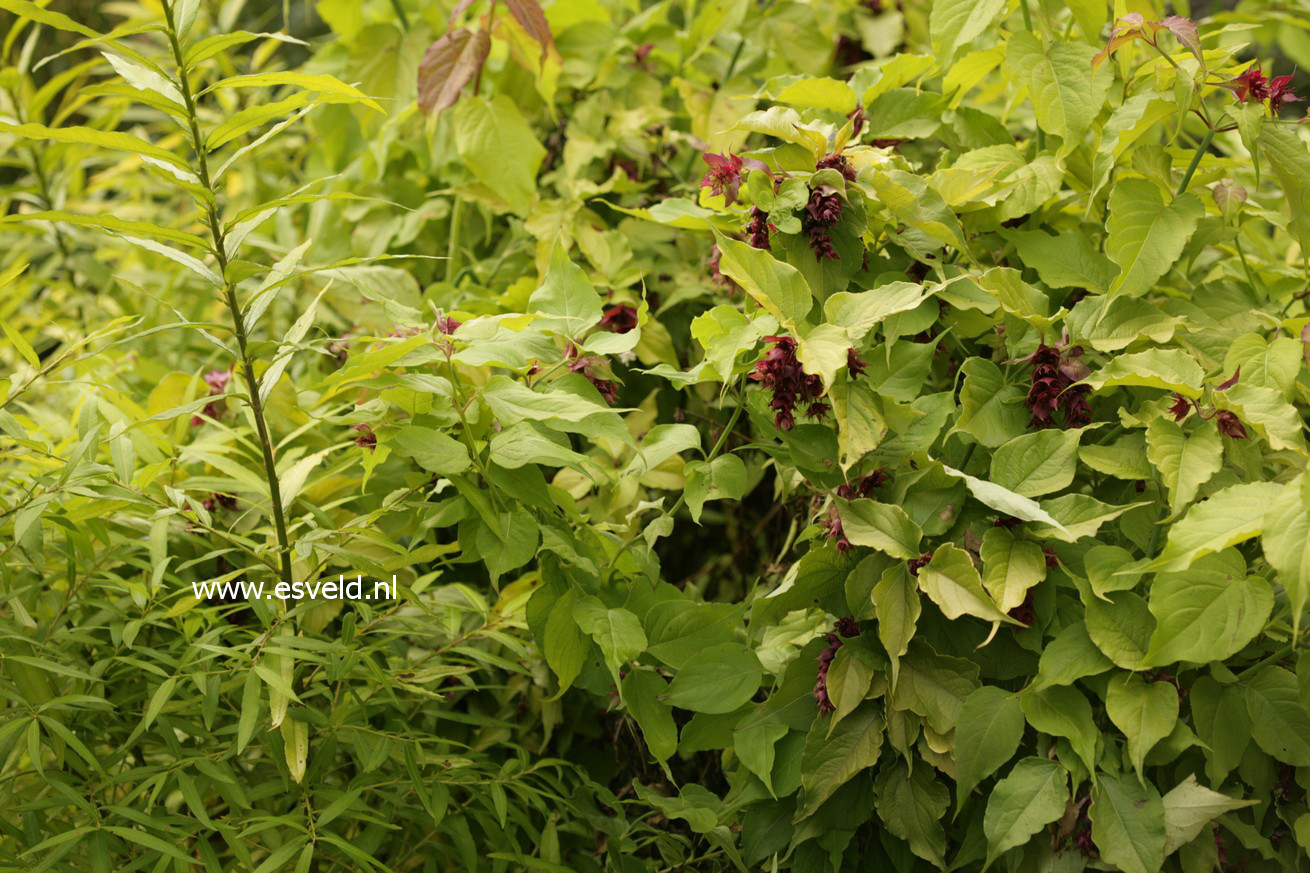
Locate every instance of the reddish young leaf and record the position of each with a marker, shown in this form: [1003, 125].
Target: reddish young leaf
[449, 64]
[529, 15]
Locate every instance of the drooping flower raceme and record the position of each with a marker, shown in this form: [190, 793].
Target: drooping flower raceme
[781, 372]
[1055, 370]
[823, 210]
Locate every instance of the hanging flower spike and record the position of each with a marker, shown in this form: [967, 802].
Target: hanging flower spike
[1230, 425]
[1056, 372]
[1044, 392]
[619, 318]
[781, 372]
[757, 229]
[821, 677]
[724, 176]
[1251, 86]
[823, 210]
[1280, 92]
[1182, 407]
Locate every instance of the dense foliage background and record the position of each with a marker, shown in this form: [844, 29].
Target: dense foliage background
[812, 436]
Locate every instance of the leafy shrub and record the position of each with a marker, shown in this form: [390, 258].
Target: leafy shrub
[805, 436]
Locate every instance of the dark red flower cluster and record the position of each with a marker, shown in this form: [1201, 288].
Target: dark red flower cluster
[640, 53]
[619, 318]
[365, 437]
[1052, 559]
[821, 679]
[219, 501]
[586, 364]
[838, 163]
[821, 213]
[781, 372]
[724, 176]
[864, 487]
[1253, 87]
[447, 325]
[1230, 425]
[217, 380]
[847, 627]
[832, 526]
[1006, 521]
[757, 229]
[1182, 407]
[917, 564]
[1055, 370]
[855, 365]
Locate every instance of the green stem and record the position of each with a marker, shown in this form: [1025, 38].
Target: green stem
[1201, 149]
[229, 293]
[452, 244]
[1028, 25]
[400, 13]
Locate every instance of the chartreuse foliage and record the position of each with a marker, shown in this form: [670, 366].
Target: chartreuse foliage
[924, 488]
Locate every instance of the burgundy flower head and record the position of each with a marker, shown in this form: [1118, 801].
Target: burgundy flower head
[1251, 86]
[1280, 92]
[823, 210]
[839, 163]
[781, 372]
[847, 627]
[365, 438]
[219, 501]
[757, 229]
[586, 365]
[917, 564]
[1230, 425]
[832, 525]
[619, 318]
[864, 487]
[855, 365]
[1181, 408]
[724, 176]
[447, 325]
[1055, 370]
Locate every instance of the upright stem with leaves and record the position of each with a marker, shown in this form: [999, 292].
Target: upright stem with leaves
[229, 294]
